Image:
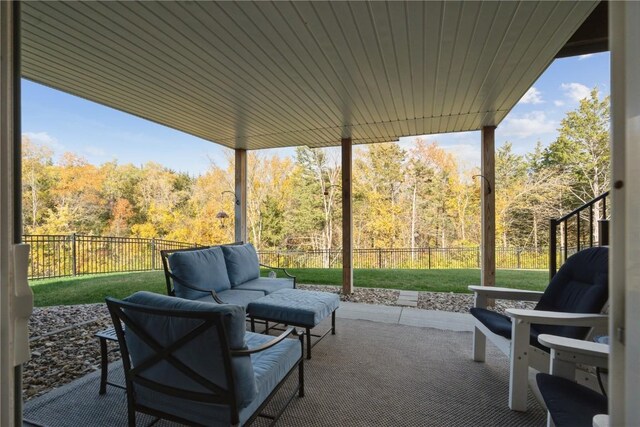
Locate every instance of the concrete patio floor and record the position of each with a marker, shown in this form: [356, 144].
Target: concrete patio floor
[443, 320]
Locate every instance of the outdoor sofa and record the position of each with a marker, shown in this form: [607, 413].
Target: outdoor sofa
[230, 274]
[226, 274]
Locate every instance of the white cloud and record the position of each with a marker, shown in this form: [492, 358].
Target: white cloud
[575, 91]
[532, 96]
[468, 155]
[558, 103]
[94, 151]
[581, 57]
[43, 138]
[533, 123]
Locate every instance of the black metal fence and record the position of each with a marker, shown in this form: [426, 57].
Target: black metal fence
[75, 255]
[417, 258]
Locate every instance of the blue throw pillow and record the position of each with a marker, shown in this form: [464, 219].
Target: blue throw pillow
[205, 269]
[242, 263]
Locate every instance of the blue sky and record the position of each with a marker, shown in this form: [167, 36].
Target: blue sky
[101, 134]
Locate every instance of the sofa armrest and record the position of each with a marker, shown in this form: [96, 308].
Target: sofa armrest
[274, 341]
[541, 317]
[195, 288]
[286, 273]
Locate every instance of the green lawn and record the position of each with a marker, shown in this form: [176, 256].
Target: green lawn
[91, 289]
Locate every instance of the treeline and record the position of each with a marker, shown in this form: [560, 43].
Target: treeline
[412, 197]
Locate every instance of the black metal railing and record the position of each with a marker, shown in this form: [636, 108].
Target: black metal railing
[76, 254]
[584, 227]
[417, 258]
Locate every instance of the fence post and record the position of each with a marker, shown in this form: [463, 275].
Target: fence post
[552, 248]
[379, 258]
[74, 271]
[518, 254]
[429, 258]
[153, 253]
[478, 257]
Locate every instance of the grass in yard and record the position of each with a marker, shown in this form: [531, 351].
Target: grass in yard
[92, 289]
[444, 280]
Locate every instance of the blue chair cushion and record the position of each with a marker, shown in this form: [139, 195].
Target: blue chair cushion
[235, 296]
[242, 263]
[570, 404]
[266, 285]
[203, 354]
[500, 324]
[295, 307]
[204, 269]
[270, 367]
[580, 286]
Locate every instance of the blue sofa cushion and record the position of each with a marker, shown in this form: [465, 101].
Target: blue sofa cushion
[242, 263]
[235, 296]
[203, 354]
[569, 403]
[266, 285]
[270, 367]
[295, 307]
[205, 268]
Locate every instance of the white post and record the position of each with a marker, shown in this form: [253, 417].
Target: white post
[15, 304]
[624, 269]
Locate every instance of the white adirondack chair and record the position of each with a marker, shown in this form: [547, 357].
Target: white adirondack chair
[571, 306]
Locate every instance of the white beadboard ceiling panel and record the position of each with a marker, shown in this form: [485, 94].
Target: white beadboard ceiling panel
[260, 75]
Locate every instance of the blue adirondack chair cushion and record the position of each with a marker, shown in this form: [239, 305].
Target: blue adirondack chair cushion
[203, 354]
[569, 403]
[581, 285]
[242, 263]
[205, 269]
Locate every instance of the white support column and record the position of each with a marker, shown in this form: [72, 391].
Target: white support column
[347, 218]
[624, 269]
[488, 203]
[10, 194]
[241, 194]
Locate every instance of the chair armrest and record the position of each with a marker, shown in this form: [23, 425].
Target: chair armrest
[289, 275]
[540, 317]
[506, 293]
[276, 340]
[582, 347]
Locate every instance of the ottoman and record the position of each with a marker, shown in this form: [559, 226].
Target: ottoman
[296, 307]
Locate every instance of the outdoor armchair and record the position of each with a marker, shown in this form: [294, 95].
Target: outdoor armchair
[569, 307]
[193, 362]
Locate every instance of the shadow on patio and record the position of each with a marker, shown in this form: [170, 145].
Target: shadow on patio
[386, 366]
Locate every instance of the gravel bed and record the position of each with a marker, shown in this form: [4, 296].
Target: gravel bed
[64, 348]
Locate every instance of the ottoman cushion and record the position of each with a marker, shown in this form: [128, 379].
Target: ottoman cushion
[295, 307]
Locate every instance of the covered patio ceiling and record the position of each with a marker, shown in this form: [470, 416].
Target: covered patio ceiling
[255, 75]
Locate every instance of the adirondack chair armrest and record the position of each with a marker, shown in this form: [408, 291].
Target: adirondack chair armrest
[575, 346]
[540, 317]
[506, 293]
